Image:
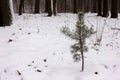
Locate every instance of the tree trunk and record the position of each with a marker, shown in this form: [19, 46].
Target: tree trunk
[55, 7]
[75, 6]
[81, 47]
[105, 8]
[99, 7]
[11, 7]
[5, 13]
[82, 55]
[49, 8]
[21, 6]
[65, 6]
[95, 6]
[46, 4]
[82, 61]
[87, 6]
[114, 8]
[37, 5]
[82, 5]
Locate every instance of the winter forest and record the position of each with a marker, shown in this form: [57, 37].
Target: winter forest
[59, 40]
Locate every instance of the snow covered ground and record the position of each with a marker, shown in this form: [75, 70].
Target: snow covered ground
[34, 48]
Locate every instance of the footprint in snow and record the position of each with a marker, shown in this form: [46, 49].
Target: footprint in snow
[38, 70]
[13, 33]
[10, 74]
[45, 60]
[20, 28]
[10, 40]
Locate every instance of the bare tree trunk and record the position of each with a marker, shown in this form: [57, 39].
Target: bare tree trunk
[87, 5]
[114, 9]
[15, 5]
[21, 7]
[55, 7]
[95, 6]
[99, 7]
[37, 5]
[46, 4]
[65, 6]
[11, 7]
[49, 8]
[5, 13]
[82, 6]
[75, 6]
[105, 8]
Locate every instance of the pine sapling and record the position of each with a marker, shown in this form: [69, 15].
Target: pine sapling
[80, 34]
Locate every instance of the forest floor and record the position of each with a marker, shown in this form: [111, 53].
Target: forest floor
[34, 48]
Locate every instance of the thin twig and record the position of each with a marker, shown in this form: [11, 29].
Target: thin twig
[115, 29]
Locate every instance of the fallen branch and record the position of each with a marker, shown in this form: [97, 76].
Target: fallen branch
[115, 28]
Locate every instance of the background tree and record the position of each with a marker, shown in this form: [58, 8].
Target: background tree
[105, 8]
[81, 5]
[75, 6]
[11, 7]
[49, 7]
[21, 6]
[37, 6]
[95, 6]
[46, 4]
[55, 7]
[65, 5]
[99, 7]
[114, 8]
[5, 13]
[87, 5]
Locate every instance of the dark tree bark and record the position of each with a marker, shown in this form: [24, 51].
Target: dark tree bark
[95, 6]
[37, 6]
[87, 5]
[55, 7]
[119, 6]
[5, 13]
[114, 8]
[82, 5]
[105, 8]
[1, 18]
[21, 6]
[49, 8]
[74, 6]
[46, 4]
[65, 6]
[78, 5]
[99, 7]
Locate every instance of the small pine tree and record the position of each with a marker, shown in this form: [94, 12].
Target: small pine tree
[81, 33]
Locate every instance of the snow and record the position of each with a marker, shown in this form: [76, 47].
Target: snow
[34, 48]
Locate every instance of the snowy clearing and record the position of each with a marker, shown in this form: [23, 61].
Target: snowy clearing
[34, 48]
